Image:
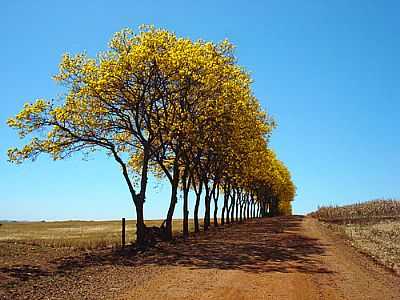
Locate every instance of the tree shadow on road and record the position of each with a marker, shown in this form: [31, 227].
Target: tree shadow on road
[258, 246]
[262, 245]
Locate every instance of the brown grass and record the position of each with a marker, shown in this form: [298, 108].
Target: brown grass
[74, 234]
[370, 210]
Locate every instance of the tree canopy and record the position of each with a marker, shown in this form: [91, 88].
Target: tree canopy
[165, 105]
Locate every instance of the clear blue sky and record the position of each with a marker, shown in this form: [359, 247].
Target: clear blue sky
[328, 71]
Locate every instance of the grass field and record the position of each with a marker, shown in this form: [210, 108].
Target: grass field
[373, 227]
[75, 234]
[359, 212]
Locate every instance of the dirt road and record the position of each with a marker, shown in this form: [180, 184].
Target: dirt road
[281, 258]
[271, 258]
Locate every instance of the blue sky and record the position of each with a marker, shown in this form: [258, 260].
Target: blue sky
[327, 71]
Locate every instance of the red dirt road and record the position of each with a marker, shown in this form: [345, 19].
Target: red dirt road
[280, 258]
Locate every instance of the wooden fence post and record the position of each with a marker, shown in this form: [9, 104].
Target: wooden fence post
[123, 233]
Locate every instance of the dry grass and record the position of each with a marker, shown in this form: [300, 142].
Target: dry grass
[74, 234]
[373, 227]
[370, 210]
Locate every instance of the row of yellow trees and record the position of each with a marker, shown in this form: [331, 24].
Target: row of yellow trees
[168, 106]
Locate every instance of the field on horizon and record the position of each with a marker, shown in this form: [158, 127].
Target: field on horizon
[76, 234]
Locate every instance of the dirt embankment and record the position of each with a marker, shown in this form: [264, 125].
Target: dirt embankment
[276, 258]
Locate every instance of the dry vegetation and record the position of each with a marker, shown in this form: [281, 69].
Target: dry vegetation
[373, 227]
[369, 211]
[82, 235]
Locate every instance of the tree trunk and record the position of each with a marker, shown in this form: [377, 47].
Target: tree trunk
[138, 199]
[275, 207]
[248, 208]
[233, 206]
[215, 196]
[245, 210]
[241, 213]
[257, 209]
[186, 186]
[250, 211]
[174, 199]
[223, 214]
[171, 209]
[227, 212]
[224, 207]
[196, 206]
[232, 211]
[262, 208]
[140, 226]
[266, 209]
[237, 209]
[207, 201]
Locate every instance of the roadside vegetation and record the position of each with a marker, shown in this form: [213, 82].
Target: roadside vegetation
[373, 227]
[80, 235]
[169, 107]
[83, 235]
[368, 211]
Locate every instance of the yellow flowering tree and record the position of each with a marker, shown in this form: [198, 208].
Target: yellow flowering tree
[169, 106]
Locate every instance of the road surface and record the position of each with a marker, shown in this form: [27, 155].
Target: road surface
[279, 258]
